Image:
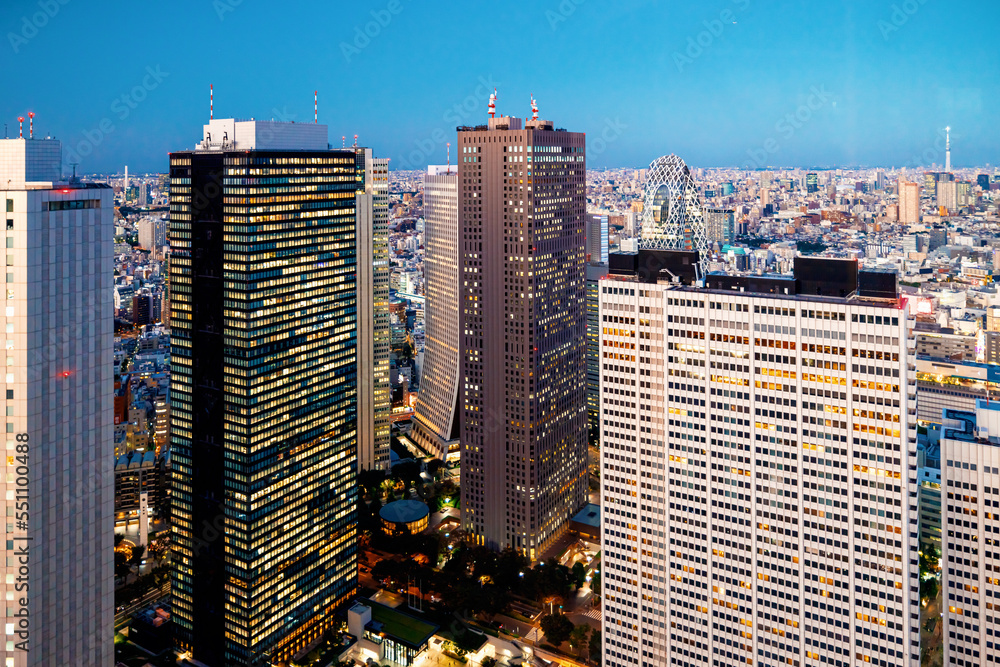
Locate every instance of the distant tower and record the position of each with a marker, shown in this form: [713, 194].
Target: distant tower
[672, 217]
[493, 103]
[947, 150]
[125, 185]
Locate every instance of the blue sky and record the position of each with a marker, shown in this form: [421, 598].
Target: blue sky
[719, 82]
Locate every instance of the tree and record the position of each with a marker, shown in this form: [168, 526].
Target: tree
[557, 628]
[137, 554]
[595, 584]
[488, 662]
[929, 589]
[578, 636]
[594, 650]
[579, 574]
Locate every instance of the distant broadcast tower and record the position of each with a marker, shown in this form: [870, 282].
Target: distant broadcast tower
[947, 150]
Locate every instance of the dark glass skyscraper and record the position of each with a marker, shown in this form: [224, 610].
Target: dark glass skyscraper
[522, 198]
[264, 388]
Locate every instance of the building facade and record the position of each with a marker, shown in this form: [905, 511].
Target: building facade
[264, 388]
[970, 534]
[374, 393]
[58, 397]
[436, 427]
[721, 225]
[909, 203]
[597, 238]
[595, 272]
[523, 368]
[756, 467]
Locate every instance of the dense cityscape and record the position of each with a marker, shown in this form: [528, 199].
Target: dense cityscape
[302, 399]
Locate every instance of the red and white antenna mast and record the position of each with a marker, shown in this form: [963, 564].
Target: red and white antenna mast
[492, 106]
[355, 141]
[343, 141]
[316, 107]
[31, 124]
[534, 108]
[20, 127]
[211, 102]
[449, 157]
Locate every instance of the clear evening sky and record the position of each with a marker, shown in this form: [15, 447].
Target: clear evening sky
[719, 82]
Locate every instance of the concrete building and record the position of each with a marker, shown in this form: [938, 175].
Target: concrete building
[436, 424]
[523, 368]
[909, 202]
[264, 387]
[374, 345]
[58, 398]
[757, 462]
[970, 534]
[152, 234]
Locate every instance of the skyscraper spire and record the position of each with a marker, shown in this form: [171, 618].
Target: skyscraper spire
[947, 149]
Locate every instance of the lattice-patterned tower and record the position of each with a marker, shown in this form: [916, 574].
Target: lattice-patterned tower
[672, 217]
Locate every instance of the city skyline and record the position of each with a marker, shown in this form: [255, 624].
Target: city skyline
[728, 84]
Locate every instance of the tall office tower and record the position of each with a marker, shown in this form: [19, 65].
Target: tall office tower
[374, 345]
[671, 214]
[58, 393]
[880, 179]
[523, 367]
[947, 195]
[143, 194]
[758, 459]
[765, 179]
[970, 527]
[597, 238]
[595, 272]
[721, 225]
[765, 198]
[983, 181]
[152, 233]
[812, 182]
[125, 185]
[436, 428]
[909, 202]
[963, 194]
[264, 387]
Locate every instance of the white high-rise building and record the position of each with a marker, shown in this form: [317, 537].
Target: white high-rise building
[59, 484]
[374, 399]
[436, 427]
[970, 535]
[757, 454]
[152, 234]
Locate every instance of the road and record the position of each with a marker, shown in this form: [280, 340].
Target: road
[122, 618]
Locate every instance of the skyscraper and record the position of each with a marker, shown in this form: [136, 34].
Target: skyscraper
[812, 182]
[264, 387]
[374, 346]
[58, 397]
[758, 463]
[597, 238]
[672, 217]
[595, 272]
[909, 202]
[720, 225]
[523, 374]
[947, 195]
[970, 527]
[436, 428]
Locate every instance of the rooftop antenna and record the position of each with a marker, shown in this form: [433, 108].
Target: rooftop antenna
[211, 102]
[449, 157]
[31, 124]
[73, 164]
[20, 127]
[5, 131]
[343, 141]
[316, 107]
[492, 106]
[534, 108]
[355, 141]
